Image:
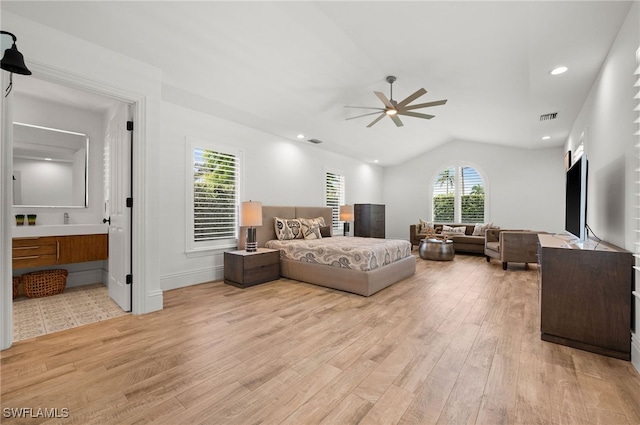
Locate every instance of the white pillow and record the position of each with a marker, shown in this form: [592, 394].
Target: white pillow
[448, 230]
[481, 228]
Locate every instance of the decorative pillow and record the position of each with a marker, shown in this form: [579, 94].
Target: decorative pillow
[425, 226]
[311, 227]
[287, 228]
[448, 230]
[481, 228]
[325, 231]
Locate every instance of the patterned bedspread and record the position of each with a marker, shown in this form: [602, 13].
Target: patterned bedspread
[345, 252]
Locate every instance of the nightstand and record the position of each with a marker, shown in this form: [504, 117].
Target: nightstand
[244, 269]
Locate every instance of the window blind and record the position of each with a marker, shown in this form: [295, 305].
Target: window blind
[334, 197]
[215, 197]
[458, 195]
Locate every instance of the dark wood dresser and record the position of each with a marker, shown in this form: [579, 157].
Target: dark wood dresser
[585, 297]
[368, 220]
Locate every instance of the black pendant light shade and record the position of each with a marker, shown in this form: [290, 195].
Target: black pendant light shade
[13, 61]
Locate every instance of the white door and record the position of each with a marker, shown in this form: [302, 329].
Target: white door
[118, 215]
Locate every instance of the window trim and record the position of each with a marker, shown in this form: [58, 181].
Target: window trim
[193, 248]
[457, 212]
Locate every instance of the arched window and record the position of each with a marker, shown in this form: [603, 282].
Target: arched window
[458, 195]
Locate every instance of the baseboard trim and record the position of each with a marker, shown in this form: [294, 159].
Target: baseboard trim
[191, 277]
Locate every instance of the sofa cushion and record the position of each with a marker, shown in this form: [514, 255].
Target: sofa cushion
[493, 246]
[467, 239]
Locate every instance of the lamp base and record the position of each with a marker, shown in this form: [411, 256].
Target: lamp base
[252, 244]
[345, 232]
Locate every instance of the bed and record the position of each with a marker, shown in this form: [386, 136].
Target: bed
[378, 263]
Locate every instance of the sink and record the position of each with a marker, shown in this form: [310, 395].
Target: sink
[58, 230]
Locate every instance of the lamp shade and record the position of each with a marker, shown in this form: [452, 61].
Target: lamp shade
[250, 214]
[346, 212]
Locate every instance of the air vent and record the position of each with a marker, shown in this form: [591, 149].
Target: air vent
[547, 117]
[316, 141]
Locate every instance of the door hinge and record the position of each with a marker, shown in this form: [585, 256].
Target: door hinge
[129, 279]
[129, 125]
[129, 202]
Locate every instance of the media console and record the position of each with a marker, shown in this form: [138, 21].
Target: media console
[585, 300]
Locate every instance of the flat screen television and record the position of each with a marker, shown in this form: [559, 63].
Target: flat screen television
[576, 199]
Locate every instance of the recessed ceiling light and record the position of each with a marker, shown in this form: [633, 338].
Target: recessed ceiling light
[48, 159]
[300, 136]
[546, 137]
[559, 70]
[376, 161]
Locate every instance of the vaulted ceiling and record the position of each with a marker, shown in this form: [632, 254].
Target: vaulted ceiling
[289, 68]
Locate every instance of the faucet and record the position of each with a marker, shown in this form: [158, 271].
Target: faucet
[66, 218]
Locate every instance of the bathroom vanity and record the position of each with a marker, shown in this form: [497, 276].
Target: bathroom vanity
[36, 246]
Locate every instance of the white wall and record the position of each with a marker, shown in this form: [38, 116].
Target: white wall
[607, 121]
[274, 171]
[524, 188]
[54, 115]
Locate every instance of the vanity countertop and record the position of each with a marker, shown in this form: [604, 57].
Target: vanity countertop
[27, 231]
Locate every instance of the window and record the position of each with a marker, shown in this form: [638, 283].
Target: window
[458, 195]
[212, 188]
[334, 197]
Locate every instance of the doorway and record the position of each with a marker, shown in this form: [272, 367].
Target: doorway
[108, 169]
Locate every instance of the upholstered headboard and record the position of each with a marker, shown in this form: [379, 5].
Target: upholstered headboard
[267, 231]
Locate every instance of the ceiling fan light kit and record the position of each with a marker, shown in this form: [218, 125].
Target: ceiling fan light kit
[393, 108]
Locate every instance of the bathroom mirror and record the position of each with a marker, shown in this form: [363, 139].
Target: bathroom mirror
[49, 167]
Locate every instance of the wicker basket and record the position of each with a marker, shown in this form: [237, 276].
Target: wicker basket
[16, 287]
[44, 283]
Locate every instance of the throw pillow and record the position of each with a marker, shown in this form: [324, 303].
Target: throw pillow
[287, 228]
[481, 228]
[311, 227]
[425, 226]
[325, 231]
[448, 230]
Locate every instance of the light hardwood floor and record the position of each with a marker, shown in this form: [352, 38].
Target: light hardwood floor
[457, 343]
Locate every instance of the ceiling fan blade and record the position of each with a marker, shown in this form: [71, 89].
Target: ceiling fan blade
[384, 100]
[425, 105]
[365, 107]
[364, 115]
[412, 97]
[416, 114]
[377, 119]
[396, 119]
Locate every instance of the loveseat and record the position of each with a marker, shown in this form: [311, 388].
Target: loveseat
[463, 242]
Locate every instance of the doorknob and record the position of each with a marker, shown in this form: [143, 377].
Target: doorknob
[107, 220]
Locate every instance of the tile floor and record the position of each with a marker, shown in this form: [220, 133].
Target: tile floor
[76, 306]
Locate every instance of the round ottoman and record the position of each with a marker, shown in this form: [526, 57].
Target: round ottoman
[436, 249]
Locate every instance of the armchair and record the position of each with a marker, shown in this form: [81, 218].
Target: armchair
[515, 246]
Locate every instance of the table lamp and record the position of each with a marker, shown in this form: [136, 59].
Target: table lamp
[346, 215]
[251, 216]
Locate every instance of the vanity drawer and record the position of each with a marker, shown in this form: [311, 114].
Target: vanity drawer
[34, 252]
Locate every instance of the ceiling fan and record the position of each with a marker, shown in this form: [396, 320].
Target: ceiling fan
[393, 108]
